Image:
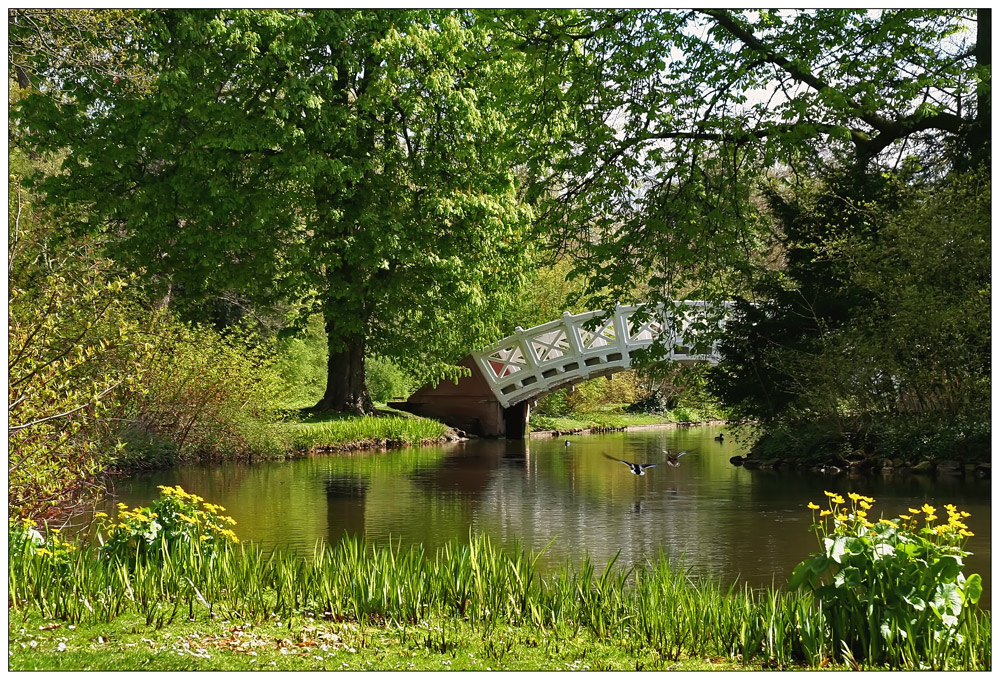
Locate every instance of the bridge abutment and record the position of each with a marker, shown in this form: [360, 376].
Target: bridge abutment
[469, 405]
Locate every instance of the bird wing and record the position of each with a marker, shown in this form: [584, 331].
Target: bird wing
[681, 453]
[618, 459]
[646, 465]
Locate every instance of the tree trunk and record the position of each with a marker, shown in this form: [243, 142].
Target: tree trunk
[346, 390]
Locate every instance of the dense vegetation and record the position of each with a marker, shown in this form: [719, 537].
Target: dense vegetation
[180, 560]
[228, 228]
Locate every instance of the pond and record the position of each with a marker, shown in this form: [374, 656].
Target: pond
[725, 522]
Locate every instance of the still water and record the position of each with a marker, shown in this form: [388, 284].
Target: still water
[725, 522]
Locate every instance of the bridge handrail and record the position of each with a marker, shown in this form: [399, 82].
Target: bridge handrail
[537, 360]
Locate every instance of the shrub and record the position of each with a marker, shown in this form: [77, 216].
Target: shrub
[892, 591]
[70, 333]
[302, 364]
[201, 395]
[386, 380]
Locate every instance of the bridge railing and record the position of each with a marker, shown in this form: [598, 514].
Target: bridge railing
[577, 346]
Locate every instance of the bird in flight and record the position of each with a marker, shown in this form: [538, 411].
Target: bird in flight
[672, 457]
[636, 468]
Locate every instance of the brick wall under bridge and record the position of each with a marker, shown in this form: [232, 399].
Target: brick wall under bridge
[469, 405]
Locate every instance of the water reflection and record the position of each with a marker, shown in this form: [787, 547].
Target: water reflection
[723, 521]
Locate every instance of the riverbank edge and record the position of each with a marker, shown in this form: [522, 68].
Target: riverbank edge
[542, 434]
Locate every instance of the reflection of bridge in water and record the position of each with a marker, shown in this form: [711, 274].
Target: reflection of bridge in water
[508, 376]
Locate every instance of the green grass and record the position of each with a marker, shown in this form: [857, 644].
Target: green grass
[387, 428]
[314, 644]
[396, 606]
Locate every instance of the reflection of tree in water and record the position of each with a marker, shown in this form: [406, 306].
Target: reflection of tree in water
[465, 475]
[345, 505]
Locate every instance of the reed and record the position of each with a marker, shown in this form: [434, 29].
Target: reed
[657, 607]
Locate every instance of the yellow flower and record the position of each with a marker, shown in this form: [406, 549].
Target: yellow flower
[931, 518]
[913, 511]
[949, 507]
[824, 513]
[966, 514]
[861, 513]
[929, 509]
[868, 499]
[122, 506]
[965, 533]
[42, 551]
[854, 496]
[99, 515]
[904, 517]
[812, 506]
[166, 490]
[865, 504]
[888, 521]
[830, 494]
[837, 499]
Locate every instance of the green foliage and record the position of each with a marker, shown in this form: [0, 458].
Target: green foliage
[876, 333]
[386, 380]
[70, 334]
[659, 144]
[892, 592]
[338, 157]
[201, 395]
[302, 364]
[173, 523]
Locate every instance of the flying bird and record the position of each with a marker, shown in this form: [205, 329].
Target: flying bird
[672, 457]
[636, 468]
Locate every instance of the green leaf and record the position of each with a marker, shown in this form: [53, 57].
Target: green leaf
[973, 589]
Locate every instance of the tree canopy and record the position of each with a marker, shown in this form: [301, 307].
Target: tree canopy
[362, 161]
[678, 114]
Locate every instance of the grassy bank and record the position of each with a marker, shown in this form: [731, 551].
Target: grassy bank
[613, 420]
[345, 432]
[193, 597]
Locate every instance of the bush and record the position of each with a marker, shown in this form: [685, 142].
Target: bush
[201, 395]
[386, 380]
[302, 364]
[892, 591]
[70, 335]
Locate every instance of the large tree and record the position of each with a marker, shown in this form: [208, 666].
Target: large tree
[360, 161]
[677, 115]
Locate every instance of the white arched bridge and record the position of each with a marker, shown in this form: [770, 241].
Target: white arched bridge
[508, 376]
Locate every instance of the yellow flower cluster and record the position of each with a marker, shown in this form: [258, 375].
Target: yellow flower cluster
[179, 493]
[955, 525]
[954, 530]
[184, 506]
